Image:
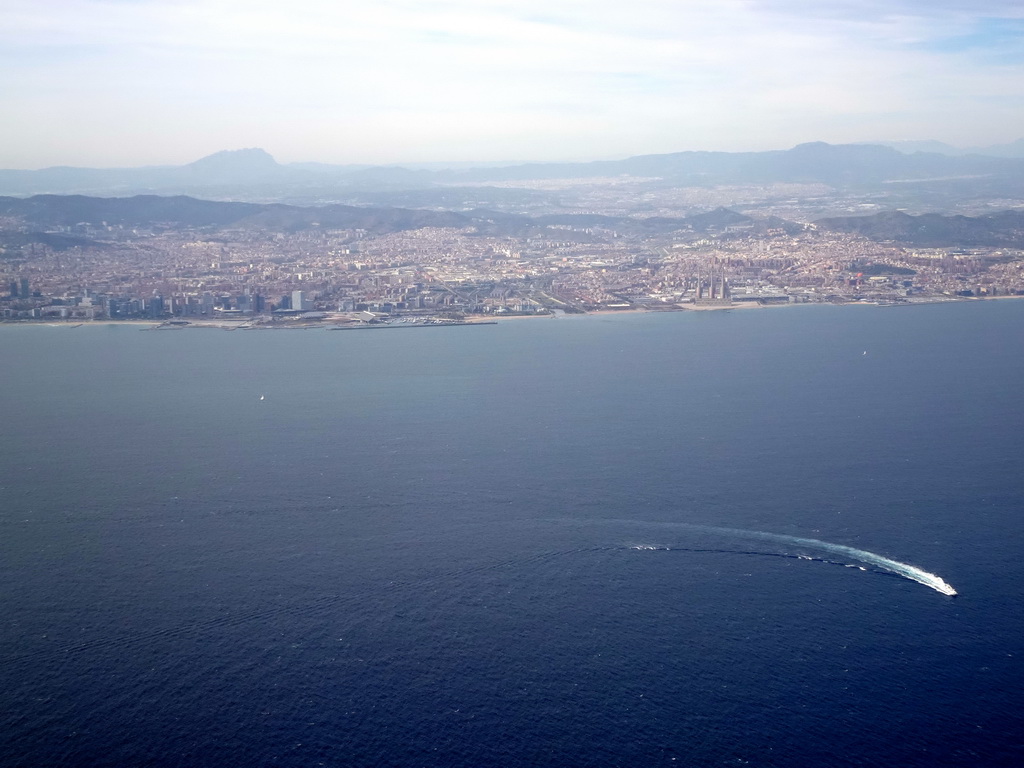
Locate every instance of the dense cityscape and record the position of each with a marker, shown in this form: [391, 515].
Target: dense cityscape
[261, 276]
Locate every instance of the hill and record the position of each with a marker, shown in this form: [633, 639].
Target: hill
[45, 211]
[1004, 229]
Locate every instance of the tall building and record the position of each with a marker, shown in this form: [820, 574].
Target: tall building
[25, 293]
[154, 306]
[298, 300]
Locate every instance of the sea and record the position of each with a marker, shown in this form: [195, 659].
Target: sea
[647, 539]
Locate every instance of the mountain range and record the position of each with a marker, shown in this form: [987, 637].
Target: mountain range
[1012, 149]
[254, 174]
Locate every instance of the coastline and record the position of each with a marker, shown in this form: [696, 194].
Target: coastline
[248, 325]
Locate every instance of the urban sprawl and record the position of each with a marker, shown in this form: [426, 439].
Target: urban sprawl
[259, 278]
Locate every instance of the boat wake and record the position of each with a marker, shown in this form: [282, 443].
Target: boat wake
[905, 570]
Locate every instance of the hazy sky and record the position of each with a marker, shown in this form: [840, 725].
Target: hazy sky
[131, 82]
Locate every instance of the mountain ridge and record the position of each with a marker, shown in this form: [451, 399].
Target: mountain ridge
[1003, 229]
[254, 171]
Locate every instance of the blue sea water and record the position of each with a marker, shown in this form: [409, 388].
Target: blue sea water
[503, 545]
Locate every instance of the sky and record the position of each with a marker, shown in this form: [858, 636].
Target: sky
[117, 83]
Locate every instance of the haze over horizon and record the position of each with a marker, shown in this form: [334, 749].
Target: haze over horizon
[109, 83]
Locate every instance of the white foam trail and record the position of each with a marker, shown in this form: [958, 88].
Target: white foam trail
[905, 570]
[894, 566]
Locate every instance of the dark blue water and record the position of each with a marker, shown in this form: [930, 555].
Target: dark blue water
[419, 549]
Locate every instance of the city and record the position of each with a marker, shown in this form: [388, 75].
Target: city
[266, 277]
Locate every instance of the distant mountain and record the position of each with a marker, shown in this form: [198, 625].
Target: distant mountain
[220, 170]
[836, 165]
[1004, 229]
[928, 145]
[1014, 149]
[254, 174]
[234, 167]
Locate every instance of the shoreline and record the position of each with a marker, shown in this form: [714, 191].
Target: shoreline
[246, 325]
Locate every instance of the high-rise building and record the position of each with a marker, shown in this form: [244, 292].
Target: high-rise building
[154, 306]
[25, 293]
[298, 300]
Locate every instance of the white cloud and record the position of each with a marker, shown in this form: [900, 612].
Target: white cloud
[169, 80]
